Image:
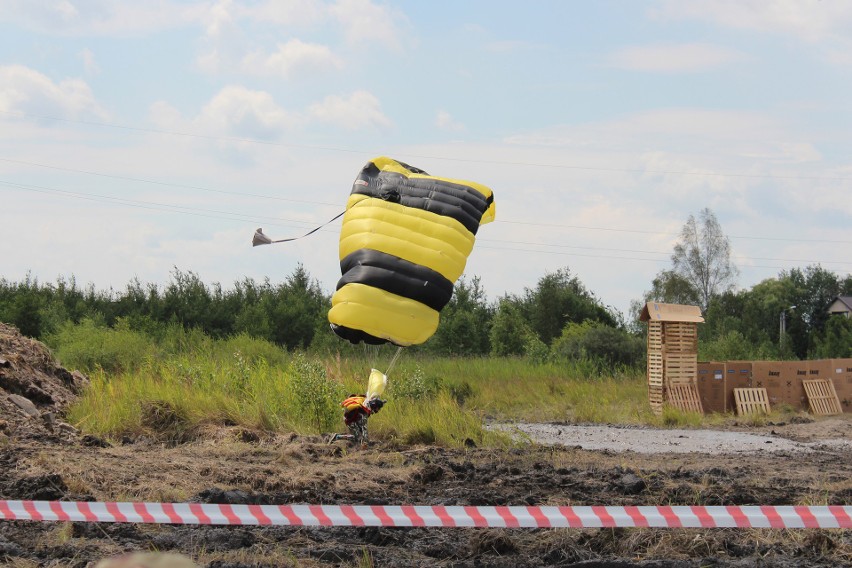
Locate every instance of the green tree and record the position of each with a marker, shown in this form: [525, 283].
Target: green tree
[671, 288]
[702, 258]
[813, 290]
[186, 300]
[21, 305]
[465, 322]
[296, 309]
[508, 329]
[836, 339]
[25, 312]
[607, 346]
[560, 298]
[846, 286]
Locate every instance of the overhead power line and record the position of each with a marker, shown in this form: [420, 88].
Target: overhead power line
[424, 156]
[197, 211]
[166, 184]
[325, 203]
[277, 222]
[743, 237]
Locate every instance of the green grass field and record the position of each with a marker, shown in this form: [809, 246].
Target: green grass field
[172, 387]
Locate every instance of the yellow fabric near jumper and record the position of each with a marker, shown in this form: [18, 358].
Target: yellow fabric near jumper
[424, 238]
[376, 384]
[353, 402]
[384, 315]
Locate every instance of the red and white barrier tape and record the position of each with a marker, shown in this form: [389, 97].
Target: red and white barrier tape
[786, 517]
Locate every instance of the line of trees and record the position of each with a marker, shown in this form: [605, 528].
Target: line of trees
[746, 324]
[557, 319]
[559, 316]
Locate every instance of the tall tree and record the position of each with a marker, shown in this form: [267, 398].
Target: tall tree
[813, 290]
[560, 298]
[465, 321]
[702, 257]
[508, 328]
[672, 288]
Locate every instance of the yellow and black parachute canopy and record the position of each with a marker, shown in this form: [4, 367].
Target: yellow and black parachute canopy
[404, 242]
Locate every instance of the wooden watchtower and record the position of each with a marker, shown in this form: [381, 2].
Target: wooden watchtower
[672, 355]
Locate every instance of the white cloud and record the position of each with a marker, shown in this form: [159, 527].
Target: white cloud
[113, 18]
[29, 91]
[223, 38]
[163, 115]
[445, 121]
[218, 19]
[810, 21]
[209, 62]
[367, 23]
[287, 12]
[236, 35]
[719, 133]
[687, 158]
[673, 58]
[238, 111]
[292, 58]
[89, 64]
[358, 110]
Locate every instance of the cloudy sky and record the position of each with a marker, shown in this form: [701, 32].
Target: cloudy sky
[142, 136]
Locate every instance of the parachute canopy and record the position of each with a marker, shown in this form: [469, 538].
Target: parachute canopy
[404, 242]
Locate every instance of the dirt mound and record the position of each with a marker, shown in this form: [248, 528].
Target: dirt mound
[34, 389]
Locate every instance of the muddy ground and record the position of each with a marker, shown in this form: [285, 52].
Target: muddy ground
[42, 458]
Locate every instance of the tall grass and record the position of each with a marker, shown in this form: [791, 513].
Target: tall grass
[507, 388]
[169, 387]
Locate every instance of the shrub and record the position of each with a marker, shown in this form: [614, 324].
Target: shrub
[609, 348]
[412, 386]
[314, 393]
[91, 345]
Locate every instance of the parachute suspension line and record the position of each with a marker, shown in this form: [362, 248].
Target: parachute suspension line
[261, 239]
[393, 361]
[370, 353]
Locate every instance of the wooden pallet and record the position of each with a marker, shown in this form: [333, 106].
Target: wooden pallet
[655, 398]
[655, 369]
[822, 397]
[680, 337]
[680, 368]
[685, 397]
[751, 401]
[655, 337]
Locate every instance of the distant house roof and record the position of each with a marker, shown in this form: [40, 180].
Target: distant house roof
[841, 305]
[671, 312]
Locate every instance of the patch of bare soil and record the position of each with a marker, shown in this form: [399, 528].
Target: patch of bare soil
[233, 465]
[804, 436]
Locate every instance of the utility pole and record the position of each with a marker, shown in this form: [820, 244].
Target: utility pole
[782, 325]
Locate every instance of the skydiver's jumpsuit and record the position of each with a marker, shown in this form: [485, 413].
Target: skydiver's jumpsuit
[355, 416]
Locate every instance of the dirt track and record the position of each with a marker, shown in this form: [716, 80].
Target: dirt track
[242, 467]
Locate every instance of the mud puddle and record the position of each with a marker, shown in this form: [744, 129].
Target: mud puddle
[658, 440]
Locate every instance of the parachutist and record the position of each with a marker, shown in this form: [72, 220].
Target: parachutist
[356, 411]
